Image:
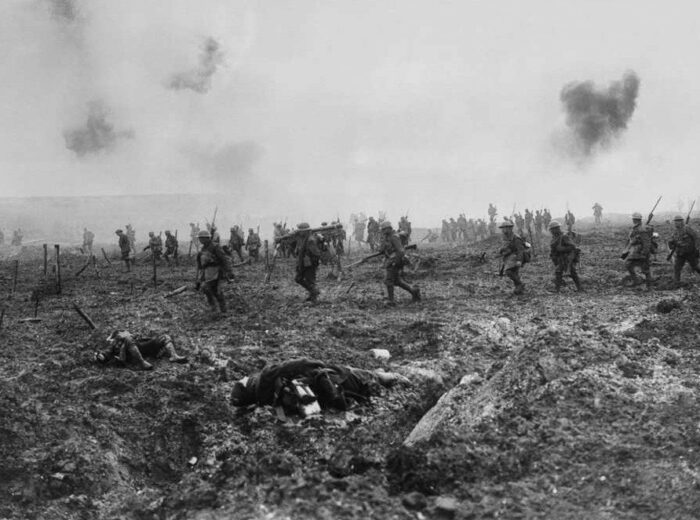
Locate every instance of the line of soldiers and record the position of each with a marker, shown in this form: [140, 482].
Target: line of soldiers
[464, 230]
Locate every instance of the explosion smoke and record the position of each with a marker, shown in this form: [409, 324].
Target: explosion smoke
[64, 10]
[97, 134]
[596, 116]
[199, 79]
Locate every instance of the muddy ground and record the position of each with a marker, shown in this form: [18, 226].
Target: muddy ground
[577, 405]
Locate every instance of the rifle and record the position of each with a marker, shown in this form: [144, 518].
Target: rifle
[293, 234]
[687, 221]
[375, 255]
[626, 252]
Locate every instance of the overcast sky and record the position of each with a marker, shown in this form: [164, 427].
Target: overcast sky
[318, 107]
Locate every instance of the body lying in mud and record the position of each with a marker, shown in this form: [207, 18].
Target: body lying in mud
[124, 348]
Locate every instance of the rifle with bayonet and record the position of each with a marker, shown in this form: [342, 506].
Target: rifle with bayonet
[626, 252]
[687, 221]
[375, 255]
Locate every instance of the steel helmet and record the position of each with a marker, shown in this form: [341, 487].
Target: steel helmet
[204, 234]
[678, 217]
[554, 224]
[301, 226]
[505, 224]
[636, 216]
[385, 225]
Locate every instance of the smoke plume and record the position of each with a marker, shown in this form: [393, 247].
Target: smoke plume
[597, 116]
[98, 133]
[63, 10]
[199, 78]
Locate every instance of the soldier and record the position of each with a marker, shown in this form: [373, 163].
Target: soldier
[330, 386]
[88, 238]
[125, 248]
[529, 219]
[546, 217]
[462, 227]
[520, 223]
[445, 231]
[491, 229]
[539, 221]
[598, 213]
[564, 255]
[454, 229]
[212, 266]
[512, 253]
[235, 242]
[155, 244]
[405, 226]
[569, 220]
[215, 237]
[394, 262]
[252, 245]
[492, 213]
[171, 247]
[372, 233]
[124, 348]
[17, 237]
[308, 258]
[194, 240]
[338, 240]
[638, 251]
[684, 244]
[483, 229]
[359, 230]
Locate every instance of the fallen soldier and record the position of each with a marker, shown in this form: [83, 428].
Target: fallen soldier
[124, 348]
[305, 386]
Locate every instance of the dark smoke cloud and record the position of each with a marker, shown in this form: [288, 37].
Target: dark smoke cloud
[199, 79]
[98, 133]
[64, 10]
[597, 116]
[230, 162]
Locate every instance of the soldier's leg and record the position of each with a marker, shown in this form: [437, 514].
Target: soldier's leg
[629, 265]
[239, 253]
[645, 268]
[219, 295]
[310, 283]
[136, 357]
[574, 276]
[209, 291]
[401, 282]
[558, 277]
[678, 263]
[693, 263]
[514, 274]
[390, 279]
[168, 348]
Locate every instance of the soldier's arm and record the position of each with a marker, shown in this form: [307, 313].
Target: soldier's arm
[694, 235]
[565, 245]
[312, 247]
[398, 248]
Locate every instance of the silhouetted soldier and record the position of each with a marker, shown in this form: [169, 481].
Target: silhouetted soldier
[235, 242]
[638, 250]
[684, 245]
[512, 255]
[88, 238]
[125, 248]
[564, 255]
[598, 213]
[213, 266]
[308, 258]
[171, 247]
[394, 262]
[252, 245]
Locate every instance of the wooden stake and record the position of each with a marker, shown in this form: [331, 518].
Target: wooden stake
[267, 256]
[105, 255]
[82, 314]
[58, 268]
[14, 282]
[155, 273]
[46, 259]
[176, 291]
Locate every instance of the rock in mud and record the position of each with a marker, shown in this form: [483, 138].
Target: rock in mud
[446, 507]
[414, 500]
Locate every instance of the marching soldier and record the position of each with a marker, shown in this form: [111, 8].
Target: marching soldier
[194, 234]
[598, 213]
[308, 258]
[125, 248]
[88, 238]
[569, 220]
[512, 253]
[638, 251]
[213, 266]
[252, 244]
[171, 247]
[564, 255]
[235, 242]
[155, 244]
[394, 262]
[684, 245]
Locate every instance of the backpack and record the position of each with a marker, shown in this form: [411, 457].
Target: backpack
[527, 252]
[653, 243]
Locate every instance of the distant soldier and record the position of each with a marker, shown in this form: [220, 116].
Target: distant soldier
[131, 235]
[125, 348]
[171, 247]
[212, 266]
[236, 241]
[88, 238]
[684, 245]
[492, 213]
[483, 229]
[512, 253]
[155, 244]
[519, 223]
[17, 237]
[546, 217]
[252, 245]
[213, 231]
[598, 213]
[338, 240]
[445, 231]
[462, 227]
[125, 248]
[564, 255]
[394, 262]
[638, 250]
[405, 226]
[359, 230]
[569, 220]
[453, 229]
[491, 230]
[2, 238]
[539, 221]
[194, 233]
[308, 258]
[372, 233]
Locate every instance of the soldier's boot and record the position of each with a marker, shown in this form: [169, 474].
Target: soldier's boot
[577, 281]
[390, 295]
[136, 356]
[172, 353]
[415, 294]
[222, 303]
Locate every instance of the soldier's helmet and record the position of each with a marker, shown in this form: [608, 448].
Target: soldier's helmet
[119, 232]
[204, 234]
[554, 224]
[303, 226]
[636, 216]
[250, 230]
[324, 223]
[677, 218]
[150, 233]
[385, 225]
[505, 224]
[233, 229]
[167, 231]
